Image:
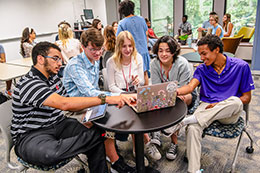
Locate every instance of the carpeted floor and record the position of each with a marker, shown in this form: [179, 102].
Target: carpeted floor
[217, 154]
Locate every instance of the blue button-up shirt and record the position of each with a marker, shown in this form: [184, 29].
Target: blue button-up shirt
[80, 77]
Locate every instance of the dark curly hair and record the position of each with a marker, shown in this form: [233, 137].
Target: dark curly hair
[212, 41]
[172, 43]
[126, 8]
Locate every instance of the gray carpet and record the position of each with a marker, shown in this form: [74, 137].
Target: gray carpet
[217, 154]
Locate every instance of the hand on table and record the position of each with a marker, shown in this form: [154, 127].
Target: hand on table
[122, 99]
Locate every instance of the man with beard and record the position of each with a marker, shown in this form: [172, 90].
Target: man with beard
[42, 135]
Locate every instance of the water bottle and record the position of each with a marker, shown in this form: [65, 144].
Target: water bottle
[189, 41]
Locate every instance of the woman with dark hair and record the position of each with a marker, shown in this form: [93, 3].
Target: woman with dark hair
[109, 44]
[169, 66]
[137, 27]
[96, 23]
[115, 25]
[228, 26]
[27, 42]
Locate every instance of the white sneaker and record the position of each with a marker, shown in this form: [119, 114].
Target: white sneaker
[146, 162]
[172, 151]
[169, 131]
[156, 138]
[152, 151]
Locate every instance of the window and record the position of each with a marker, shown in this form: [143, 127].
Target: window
[198, 12]
[162, 17]
[244, 13]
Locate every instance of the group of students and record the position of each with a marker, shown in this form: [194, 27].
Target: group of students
[43, 135]
[210, 26]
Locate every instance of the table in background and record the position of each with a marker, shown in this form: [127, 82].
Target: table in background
[26, 62]
[126, 120]
[186, 49]
[9, 71]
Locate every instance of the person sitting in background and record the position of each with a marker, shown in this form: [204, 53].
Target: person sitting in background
[69, 46]
[109, 44]
[225, 85]
[27, 42]
[204, 29]
[137, 27]
[125, 73]
[215, 27]
[228, 26]
[169, 66]
[8, 92]
[80, 79]
[115, 25]
[151, 33]
[63, 22]
[184, 27]
[41, 134]
[96, 23]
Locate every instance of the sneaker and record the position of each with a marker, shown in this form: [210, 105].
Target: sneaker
[156, 138]
[146, 162]
[121, 167]
[8, 94]
[172, 152]
[169, 131]
[152, 151]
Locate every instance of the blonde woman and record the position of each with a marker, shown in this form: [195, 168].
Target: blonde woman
[125, 73]
[69, 46]
[228, 26]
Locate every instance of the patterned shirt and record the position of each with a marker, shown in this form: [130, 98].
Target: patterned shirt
[185, 27]
[29, 113]
[81, 77]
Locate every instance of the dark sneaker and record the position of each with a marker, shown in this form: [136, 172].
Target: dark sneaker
[172, 152]
[121, 167]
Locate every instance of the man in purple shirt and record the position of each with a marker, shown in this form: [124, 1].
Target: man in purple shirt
[225, 85]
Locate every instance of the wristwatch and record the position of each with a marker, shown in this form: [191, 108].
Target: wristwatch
[102, 97]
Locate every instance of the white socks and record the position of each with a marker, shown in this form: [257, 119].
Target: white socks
[189, 120]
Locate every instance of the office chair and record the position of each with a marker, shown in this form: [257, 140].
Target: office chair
[232, 131]
[5, 124]
[230, 44]
[248, 32]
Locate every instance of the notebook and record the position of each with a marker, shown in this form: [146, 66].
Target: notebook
[155, 96]
[94, 113]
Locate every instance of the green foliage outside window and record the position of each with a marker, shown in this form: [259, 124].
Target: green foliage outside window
[198, 12]
[162, 17]
[137, 7]
[243, 13]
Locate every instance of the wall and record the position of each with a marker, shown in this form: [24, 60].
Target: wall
[41, 15]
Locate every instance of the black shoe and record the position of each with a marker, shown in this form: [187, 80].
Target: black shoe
[121, 167]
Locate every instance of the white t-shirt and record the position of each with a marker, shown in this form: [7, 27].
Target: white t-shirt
[232, 32]
[116, 80]
[72, 48]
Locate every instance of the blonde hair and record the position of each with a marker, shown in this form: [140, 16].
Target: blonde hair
[119, 44]
[65, 33]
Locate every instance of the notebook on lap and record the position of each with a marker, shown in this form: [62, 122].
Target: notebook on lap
[154, 97]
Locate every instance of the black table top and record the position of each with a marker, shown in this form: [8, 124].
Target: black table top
[126, 120]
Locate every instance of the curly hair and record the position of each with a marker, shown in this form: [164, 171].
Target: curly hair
[110, 38]
[172, 43]
[212, 41]
[126, 8]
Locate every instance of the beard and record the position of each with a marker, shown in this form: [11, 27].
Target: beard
[47, 67]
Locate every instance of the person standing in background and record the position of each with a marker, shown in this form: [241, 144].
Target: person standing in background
[137, 27]
[115, 26]
[27, 42]
[8, 92]
[96, 23]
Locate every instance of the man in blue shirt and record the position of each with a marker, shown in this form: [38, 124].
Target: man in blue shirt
[80, 79]
[225, 85]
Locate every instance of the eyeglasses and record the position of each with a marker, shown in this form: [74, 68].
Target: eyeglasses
[55, 58]
[92, 50]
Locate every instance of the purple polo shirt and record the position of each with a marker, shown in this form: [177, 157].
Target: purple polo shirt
[234, 80]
